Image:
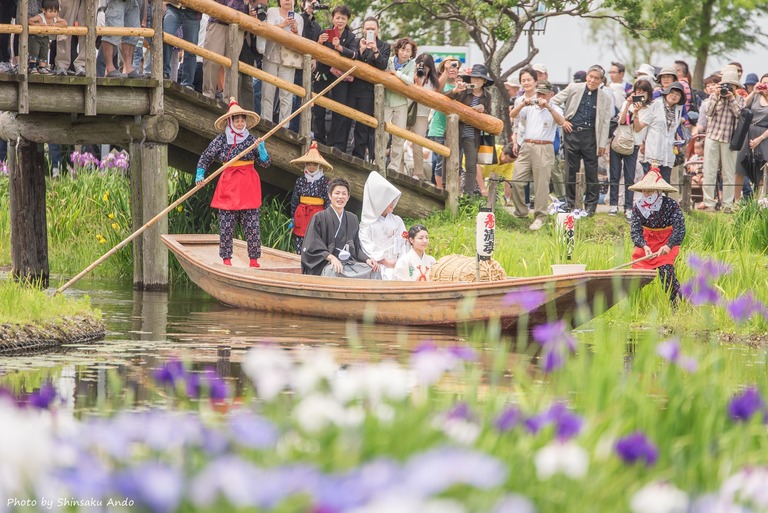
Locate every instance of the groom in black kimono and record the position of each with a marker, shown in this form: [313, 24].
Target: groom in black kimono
[331, 244]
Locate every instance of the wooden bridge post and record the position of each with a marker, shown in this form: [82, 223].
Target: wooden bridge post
[90, 59]
[380, 135]
[305, 118]
[232, 75]
[22, 18]
[452, 163]
[156, 50]
[149, 195]
[29, 232]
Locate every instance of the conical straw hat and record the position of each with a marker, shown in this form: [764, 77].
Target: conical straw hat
[312, 156]
[251, 118]
[652, 181]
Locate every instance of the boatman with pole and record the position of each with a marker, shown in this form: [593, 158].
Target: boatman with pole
[238, 193]
[658, 226]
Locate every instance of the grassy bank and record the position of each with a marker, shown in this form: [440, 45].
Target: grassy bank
[20, 304]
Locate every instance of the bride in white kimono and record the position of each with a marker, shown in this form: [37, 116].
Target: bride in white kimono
[415, 265]
[382, 234]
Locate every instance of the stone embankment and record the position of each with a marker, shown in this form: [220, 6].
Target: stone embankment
[48, 336]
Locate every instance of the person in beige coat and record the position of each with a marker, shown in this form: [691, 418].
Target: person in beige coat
[587, 111]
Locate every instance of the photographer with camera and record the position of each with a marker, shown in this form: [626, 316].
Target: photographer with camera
[375, 52]
[757, 139]
[537, 155]
[312, 30]
[275, 62]
[340, 38]
[427, 78]
[723, 109]
[448, 71]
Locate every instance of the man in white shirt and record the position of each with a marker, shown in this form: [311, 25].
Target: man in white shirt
[537, 154]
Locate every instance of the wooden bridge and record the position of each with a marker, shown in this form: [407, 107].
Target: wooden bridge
[165, 124]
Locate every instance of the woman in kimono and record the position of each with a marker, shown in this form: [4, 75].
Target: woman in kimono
[382, 233]
[310, 194]
[658, 226]
[332, 245]
[238, 192]
[415, 265]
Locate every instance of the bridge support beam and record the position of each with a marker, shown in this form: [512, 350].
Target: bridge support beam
[29, 233]
[149, 196]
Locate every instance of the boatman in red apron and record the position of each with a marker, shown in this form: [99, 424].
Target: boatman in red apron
[238, 192]
[310, 195]
[658, 226]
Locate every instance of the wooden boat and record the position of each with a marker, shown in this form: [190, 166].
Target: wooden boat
[278, 286]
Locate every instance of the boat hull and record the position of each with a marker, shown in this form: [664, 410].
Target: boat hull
[279, 287]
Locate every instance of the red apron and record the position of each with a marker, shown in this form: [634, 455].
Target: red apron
[308, 206]
[239, 188]
[655, 238]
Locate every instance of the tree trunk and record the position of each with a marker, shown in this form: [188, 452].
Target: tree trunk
[29, 233]
[702, 51]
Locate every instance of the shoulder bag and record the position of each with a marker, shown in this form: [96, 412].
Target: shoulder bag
[623, 141]
[740, 129]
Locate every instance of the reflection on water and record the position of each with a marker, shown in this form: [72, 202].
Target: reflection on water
[147, 328]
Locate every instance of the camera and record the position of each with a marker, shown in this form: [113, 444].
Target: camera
[762, 86]
[320, 7]
[725, 89]
[455, 64]
[260, 10]
[420, 72]
[638, 98]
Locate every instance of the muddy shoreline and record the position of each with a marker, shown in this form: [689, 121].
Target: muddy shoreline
[49, 336]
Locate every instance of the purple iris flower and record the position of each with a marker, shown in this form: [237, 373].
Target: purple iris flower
[154, 485]
[743, 308]
[709, 269]
[699, 291]
[435, 470]
[217, 386]
[745, 404]
[636, 447]
[170, 373]
[254, 431]
[507, 420]
[425, 347]
[460, 412]
[527, 299]
[670, 351]
[556, 343]
[567, 424]
[465, 353]
[43, 397]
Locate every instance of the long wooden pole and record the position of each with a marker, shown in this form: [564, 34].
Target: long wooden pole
[198, 186]
[646, 257]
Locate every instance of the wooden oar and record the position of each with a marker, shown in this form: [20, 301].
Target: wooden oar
[646, 257]
[200, 185]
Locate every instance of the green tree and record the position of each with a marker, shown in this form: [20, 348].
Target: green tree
[710, 28]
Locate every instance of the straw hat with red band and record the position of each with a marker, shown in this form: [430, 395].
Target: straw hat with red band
[312, 157]
[652, 181]
[251, 118]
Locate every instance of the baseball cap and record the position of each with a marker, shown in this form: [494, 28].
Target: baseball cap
[580, 76]
[543, 86]
[539, 67]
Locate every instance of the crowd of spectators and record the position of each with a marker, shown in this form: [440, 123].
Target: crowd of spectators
[600, 123]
